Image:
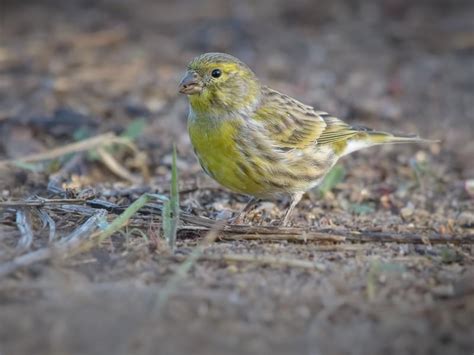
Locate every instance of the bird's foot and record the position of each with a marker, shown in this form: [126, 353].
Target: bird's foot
[240, 217]
[285, 222]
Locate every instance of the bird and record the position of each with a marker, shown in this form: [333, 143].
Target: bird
[259, 142]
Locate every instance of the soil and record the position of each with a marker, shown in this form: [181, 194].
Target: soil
[70, 70]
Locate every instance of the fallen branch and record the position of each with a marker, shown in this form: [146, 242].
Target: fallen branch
[41, 202]
[308, 235]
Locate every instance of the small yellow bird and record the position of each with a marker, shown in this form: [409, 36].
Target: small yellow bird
[259, 142]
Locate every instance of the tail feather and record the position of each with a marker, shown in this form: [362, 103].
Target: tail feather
[367, 138]
[377, 137]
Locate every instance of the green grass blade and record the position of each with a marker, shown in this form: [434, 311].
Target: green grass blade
[170, 212]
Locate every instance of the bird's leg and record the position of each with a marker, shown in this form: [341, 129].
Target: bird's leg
[295, 198]
[240, 217]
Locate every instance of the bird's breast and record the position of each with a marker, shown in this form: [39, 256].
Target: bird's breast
[221, 158]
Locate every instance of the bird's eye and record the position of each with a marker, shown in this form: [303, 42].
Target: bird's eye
[216, 73]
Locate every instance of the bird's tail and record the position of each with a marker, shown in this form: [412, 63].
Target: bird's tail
[367, 138]
[377, 137]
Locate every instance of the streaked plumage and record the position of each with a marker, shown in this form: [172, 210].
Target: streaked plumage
[257, 141]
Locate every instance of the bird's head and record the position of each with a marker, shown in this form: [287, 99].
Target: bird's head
[220, 84]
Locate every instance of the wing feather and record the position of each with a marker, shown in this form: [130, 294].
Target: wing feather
[293, 125]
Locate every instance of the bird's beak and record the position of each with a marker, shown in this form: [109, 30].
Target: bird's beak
[191, 83]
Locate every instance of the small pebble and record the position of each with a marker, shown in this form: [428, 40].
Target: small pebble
[232, 268]
[469, 186]
[224, 214]
[407, 212]
[466, 219]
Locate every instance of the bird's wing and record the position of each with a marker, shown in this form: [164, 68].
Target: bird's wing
[336, 130]
[293, 125]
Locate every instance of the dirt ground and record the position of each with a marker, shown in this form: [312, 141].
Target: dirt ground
[71, 70]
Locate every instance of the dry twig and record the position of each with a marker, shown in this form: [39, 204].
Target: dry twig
[114, 166]
[81, 146]
[266, 260]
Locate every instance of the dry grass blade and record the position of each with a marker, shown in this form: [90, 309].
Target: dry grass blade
[48, 221]
[84, 145]
[97, 142]
[25, 229]
[86, 228]
[114, 166]
[266, 260]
